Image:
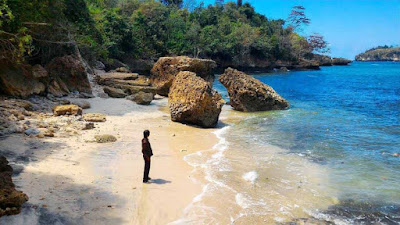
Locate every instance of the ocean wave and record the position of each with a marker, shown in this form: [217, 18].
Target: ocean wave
[251, 176]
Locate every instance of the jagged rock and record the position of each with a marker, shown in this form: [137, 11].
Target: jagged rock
[19, 81]
[122, 70]
[107, 77]
[115, 92]
[138, 82]
[94, 117]
[192, 100]
[68, 74]
[81, 103]
[340, 61]
[105, 138]
[249, 94]
[67, 110]
[142, 98]
[11, 200]
[166, 69]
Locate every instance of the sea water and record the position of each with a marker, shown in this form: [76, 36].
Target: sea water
[331, 157]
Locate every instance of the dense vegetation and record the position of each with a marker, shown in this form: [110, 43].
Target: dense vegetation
[37, 30]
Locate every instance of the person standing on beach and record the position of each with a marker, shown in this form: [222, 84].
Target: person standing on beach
[147, 153]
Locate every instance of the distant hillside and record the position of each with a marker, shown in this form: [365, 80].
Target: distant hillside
[380, 54]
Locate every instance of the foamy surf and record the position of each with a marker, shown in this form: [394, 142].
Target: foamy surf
[251, 176]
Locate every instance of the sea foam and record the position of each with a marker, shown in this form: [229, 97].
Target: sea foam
[251, 176]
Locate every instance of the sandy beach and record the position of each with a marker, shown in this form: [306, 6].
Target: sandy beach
[77, 181]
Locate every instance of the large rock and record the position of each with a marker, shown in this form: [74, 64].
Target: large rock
[166, 69]
[192, 100]
[142, 98]
[67, 110]
[11, 200]
[21, 80]
[81, 103]
[249, 94]
[115, 92]
[67, 74]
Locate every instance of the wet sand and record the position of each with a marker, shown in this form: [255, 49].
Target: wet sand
[76, 181]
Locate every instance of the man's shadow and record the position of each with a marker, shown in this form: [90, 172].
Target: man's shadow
[159, 181]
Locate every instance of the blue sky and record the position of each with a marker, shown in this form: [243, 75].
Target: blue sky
[350, 26]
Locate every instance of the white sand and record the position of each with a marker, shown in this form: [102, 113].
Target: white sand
[72, 181]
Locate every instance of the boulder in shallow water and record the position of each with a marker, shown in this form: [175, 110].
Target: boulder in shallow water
[166, 69]
[11, 200]
[105, 138]
[142, 98]
[249, 94]
[94, 117]
[192, 100]
[67, 110]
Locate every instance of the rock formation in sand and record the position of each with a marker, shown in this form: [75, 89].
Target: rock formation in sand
[249, 94]
[192, 100]
[120, 85]
[11, 200]
[67, 110]
[166, 69]
[94, 117]
[142, 98]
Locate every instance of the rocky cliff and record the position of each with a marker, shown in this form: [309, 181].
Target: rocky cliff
[380, 54]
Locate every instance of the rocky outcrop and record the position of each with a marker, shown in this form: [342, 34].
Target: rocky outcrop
[249, 94]
[11, 200]
[380, 54]
[166, 69]
[193, 101]
[340, 61]
[142, 98]
[67, 74]
[67, 110]
[21, 80]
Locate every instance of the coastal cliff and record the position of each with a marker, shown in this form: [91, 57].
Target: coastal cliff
[380, 54]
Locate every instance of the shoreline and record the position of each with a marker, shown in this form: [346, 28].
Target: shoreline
[72, 180]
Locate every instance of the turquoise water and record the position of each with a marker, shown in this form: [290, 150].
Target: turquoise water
[345, 119]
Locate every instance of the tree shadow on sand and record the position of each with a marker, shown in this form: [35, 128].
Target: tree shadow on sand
[55, 199]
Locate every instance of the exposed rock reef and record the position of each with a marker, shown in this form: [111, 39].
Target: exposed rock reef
[193, 101]
[167, 68]
[324, 60]
[380, 54]
[11, 200]
[61, 76]
[249, 94]
[340, 61]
